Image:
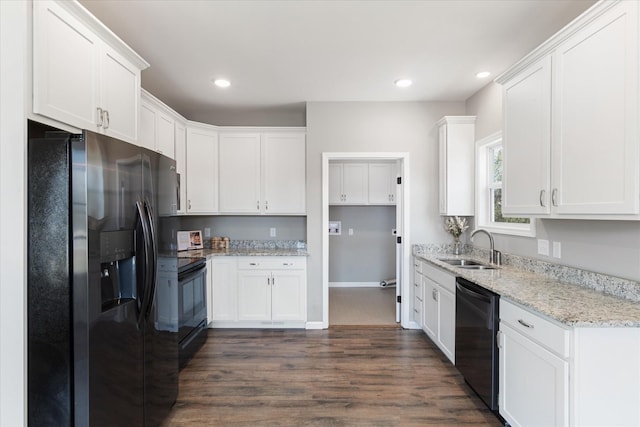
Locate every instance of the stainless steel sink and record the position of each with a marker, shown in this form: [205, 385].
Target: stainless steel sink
[468, 264]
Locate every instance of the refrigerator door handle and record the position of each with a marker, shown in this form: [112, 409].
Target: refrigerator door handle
[154, 258]
[142, 296]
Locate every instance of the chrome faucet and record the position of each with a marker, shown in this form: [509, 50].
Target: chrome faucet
[495, 257]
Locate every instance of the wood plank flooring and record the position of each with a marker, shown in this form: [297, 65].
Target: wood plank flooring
[335, 377]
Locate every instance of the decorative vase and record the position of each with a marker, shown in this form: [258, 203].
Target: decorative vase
[457, 246]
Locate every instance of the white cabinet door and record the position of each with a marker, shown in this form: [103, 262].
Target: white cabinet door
[65, 67]
[595, 138]
[382, 183]
[534, 383]
[335, 184]
[288, 295]
[254, 295]
[148, 117]
[355, 183]
[181, 163]
[430, 310]
[166, 135]
[119, 95]
[202, 161]
[283, 173]
[447, 323]
[527, 141]
[456, 165]
[240, 173]
[224, 289]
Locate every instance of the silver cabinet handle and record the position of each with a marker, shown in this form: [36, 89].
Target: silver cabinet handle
[434, 295]
[266, 205]
[106, 121]
[554, 197]
[253, 263]
[100, 117]
[542, 192]
[525, 324]
[258, 205]
[189, 204]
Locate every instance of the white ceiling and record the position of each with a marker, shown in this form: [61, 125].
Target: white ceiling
[280, 54]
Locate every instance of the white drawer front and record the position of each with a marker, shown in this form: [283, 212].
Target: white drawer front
[417, 265]
[441, 277]
[271, 263]
[548, 334]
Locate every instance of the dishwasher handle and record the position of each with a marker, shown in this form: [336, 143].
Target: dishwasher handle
[473, 294]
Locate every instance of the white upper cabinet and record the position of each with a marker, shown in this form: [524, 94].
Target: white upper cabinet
[527, 141]
[456, 147]
[284, 178]
[382, 183]
[240, 173]
[157, 125]
[201, 170]
[571, 140]
[362, 183]
[83, 75]
[263, 173]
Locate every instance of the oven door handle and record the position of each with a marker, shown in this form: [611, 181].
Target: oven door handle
[472, 294]
[191, 274]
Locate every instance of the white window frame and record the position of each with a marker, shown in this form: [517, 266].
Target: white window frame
[483, 194]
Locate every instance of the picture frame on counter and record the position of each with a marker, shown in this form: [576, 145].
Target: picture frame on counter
[189, 240]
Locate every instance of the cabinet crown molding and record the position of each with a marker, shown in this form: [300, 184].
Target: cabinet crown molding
[108, 36]
[550, 44]
[460, 120]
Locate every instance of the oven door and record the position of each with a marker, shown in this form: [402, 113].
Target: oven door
[192, 301]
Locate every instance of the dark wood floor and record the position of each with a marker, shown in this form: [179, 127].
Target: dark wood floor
[335, 377]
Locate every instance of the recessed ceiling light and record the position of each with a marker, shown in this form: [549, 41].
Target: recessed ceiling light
[483, 74]
[222, 82]
[403, 82]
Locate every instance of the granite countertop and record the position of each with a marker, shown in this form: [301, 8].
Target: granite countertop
[568, 303]
[243, 252]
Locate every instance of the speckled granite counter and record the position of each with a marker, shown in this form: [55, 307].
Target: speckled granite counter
[243, 252]
[563, 301]
[253, 248]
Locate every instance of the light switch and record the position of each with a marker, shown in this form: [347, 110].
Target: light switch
[207, 232]
[351, 232]
[272, 232]
[543, 247]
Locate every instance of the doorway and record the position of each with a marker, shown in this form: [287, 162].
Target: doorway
[370, 292]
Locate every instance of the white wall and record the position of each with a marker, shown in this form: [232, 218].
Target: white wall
[609, 247]
[13, 78]
[374, 127]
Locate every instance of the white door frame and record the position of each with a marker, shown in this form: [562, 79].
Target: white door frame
[403, 280]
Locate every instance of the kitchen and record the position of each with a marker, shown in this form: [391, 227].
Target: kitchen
[609, 247]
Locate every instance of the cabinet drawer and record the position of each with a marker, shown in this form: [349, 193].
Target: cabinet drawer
[417, 265]
[546, 333]
[271, 263]
[441, 277]
[417, 290]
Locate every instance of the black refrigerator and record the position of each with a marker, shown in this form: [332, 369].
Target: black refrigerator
[101, 351]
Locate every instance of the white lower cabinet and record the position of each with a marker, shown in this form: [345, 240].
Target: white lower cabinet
[259, 292]
[223, 295]
[439, 308]
[534, 382]
[555, 375]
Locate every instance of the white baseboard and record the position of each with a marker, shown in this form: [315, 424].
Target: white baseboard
[354, 284]
[315, 325]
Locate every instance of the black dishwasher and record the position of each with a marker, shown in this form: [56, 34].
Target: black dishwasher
[477, 323]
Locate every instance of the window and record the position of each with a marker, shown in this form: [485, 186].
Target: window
[489, 173]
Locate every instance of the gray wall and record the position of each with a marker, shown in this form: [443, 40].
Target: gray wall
[248, 227]
[609, 247]
[374, 127]
[369, 255]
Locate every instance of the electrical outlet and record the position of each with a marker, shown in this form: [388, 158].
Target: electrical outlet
[543, 247]
[207, 232]
[557, 250]
[272, 232]
[351, 232]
